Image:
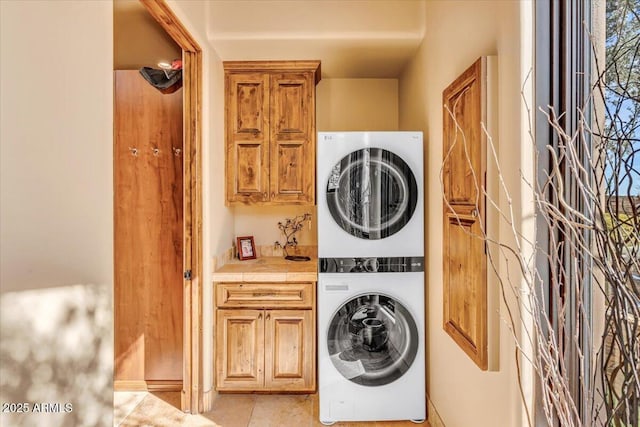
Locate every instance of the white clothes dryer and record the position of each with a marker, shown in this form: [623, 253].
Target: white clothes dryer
[371, 339]
[370, 194]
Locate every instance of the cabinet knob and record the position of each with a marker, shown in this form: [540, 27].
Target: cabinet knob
[273, 195]
[264, 196]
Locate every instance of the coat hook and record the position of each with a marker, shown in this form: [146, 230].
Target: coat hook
[177, 151]
[134, 151]
[156, 151]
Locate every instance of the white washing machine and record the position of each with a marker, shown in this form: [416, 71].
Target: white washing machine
[371, 339]
[370, 194]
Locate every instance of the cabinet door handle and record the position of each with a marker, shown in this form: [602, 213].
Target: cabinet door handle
[268, 316]
[264, 196]
[259, 315]
[273, 195]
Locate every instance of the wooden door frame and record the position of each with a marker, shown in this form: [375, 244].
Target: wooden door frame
[192, 392]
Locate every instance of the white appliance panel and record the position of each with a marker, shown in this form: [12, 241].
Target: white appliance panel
[341, 158]
[344, 400]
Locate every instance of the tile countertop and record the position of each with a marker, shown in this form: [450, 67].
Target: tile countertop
[267, 269]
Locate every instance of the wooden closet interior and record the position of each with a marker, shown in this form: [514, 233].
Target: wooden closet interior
[148, 210]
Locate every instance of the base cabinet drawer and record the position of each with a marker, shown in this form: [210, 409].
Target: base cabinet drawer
[265, 295]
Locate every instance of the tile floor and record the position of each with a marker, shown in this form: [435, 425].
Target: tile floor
[160, 409]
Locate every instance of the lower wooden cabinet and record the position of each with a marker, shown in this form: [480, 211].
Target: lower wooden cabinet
[267, 349]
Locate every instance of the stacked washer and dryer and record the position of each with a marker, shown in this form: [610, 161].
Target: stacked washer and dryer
[371, 338]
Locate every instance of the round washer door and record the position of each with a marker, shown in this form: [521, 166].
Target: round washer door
[371, 193]
[372, 340]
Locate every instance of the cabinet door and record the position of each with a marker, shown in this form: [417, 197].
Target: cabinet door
[247, 128]
[289, 350]
[240, 349]
[464, 168]
[292, 145]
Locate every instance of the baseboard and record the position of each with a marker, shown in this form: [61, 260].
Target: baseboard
[142, 385]
[434, 417]
[164, 385]
[129, 385]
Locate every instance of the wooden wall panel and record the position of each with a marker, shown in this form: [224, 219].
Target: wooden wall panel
[464, 169]
[148, 200]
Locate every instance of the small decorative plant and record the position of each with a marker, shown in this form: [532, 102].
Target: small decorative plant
[289, 228]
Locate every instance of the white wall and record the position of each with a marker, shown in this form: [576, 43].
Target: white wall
[56, 213]
[357, 104]
[262, 223]
[457, 33]
[56, 155]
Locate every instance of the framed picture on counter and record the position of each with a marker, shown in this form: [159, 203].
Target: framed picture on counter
[246, 248]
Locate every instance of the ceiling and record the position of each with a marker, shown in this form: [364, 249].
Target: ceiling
[352, 38]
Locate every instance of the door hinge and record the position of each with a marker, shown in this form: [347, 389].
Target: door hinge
[187, 275]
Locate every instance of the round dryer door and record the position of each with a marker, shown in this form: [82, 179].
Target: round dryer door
[371, 193]
[372, 340]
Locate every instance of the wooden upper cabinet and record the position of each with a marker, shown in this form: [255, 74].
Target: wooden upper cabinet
[270, 131]
[464, 169]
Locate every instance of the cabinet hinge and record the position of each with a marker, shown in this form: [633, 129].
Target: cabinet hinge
[187, 275]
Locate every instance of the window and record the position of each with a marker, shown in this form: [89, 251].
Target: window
[588, 215]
